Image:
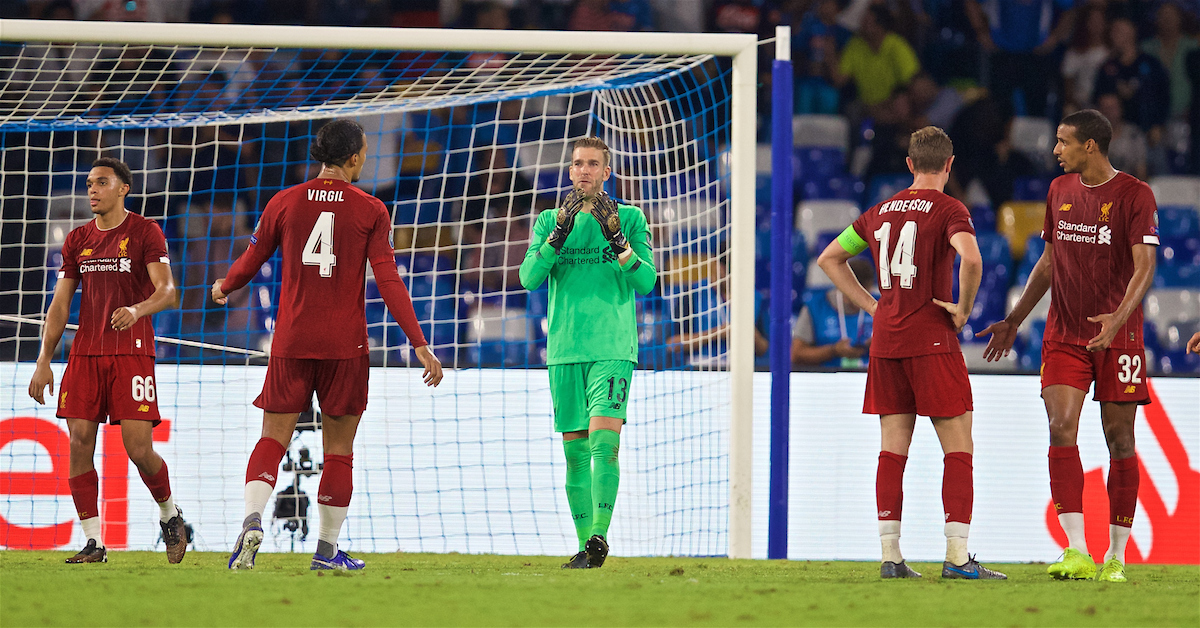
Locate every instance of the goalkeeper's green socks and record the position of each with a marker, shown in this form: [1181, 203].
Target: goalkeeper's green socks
[606, 475]
[579, 486]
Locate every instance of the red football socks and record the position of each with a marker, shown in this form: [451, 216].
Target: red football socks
[889, 485]
[1066, 479]
[1123, 479]
[264, 461]
[85, 491]
[958, 489]
[159, 483]
[337, 481]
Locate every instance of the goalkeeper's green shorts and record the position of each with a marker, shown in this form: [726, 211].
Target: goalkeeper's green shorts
[583, 390]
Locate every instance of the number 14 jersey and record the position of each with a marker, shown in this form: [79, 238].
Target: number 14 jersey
[909, 235]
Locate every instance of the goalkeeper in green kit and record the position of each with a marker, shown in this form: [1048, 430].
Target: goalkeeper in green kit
[596, 254]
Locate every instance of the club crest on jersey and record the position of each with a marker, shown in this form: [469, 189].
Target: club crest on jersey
[62, 399]
[1104, 210]
[1066, 207]
[123, 248]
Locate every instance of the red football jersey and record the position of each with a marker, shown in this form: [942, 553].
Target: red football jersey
[326, 230]
[1093, 230]
[111, 267]
[910, 236]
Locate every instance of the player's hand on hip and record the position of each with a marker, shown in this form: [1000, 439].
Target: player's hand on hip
[433, 366]
[218, 297]
[42, 377]
[123, 318]
[959, 318]
[564, 219]
[1193, 345]
[1108, 332]
[1003, 334]
[609, 216]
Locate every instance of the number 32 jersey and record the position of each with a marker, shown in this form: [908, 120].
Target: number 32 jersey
[909, 235]
[327, 230]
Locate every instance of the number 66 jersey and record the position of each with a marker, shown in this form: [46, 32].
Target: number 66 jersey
[909, 235]
[326, 231]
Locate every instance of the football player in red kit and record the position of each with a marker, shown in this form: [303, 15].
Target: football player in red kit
[121, 260]
[916, 364]
[326, 230]
[1101, 233]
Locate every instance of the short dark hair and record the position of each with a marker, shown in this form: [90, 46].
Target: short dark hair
[593, 142]
[1090, 124]
[337, 141]
[118, 166]
[929, 148]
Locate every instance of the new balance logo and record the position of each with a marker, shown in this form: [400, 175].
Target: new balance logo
[1066, 207]
[266, 476]
[1105, 235]
[884, 514]
[324, 498]
[1129, 390]
[143, 408]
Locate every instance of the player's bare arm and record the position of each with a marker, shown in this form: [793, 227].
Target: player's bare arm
[52, 331]
[970, 274]
[1004, 333]
[164, 296]
[432, 376]
[835, 261]
[1143, 276]
[218, 297]
[1193, 345]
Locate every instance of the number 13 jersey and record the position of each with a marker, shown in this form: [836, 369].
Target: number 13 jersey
[326, 230]
[909, 235]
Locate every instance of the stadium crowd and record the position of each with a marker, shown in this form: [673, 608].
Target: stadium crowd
[867, 74]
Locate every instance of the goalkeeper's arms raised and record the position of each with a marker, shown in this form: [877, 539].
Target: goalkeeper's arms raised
[629, 238]
[540, 257]
[549, 234]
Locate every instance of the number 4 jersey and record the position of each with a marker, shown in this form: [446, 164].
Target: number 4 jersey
[326, 230]
[909, 235]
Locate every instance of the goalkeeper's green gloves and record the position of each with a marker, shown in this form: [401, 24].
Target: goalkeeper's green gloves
[564, 220]
[606, 212]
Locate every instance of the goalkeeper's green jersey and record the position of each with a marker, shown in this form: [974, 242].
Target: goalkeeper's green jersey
[592, 305]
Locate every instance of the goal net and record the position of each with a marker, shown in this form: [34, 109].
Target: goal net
[465, 147]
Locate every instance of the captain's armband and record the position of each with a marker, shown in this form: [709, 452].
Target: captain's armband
[851, 242]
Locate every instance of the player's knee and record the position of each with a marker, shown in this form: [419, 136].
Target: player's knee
[1063, 431]
[141, 454]
[1120, 446]
[82, 443]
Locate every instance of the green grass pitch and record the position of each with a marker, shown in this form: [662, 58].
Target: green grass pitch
[141, 589]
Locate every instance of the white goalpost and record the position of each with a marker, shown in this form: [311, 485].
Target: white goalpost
[469, 134]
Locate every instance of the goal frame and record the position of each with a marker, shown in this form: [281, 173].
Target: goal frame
[742, 48]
